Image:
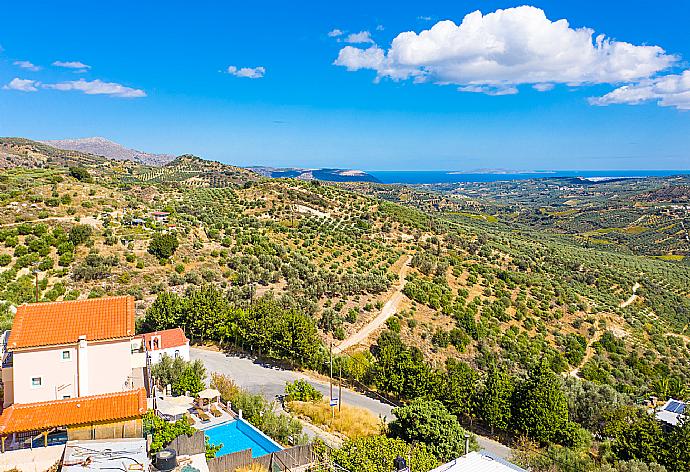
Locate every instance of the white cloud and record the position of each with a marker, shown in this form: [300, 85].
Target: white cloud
[424, 18]
[355, 58]
[27, 65]
[247, 72]
[543, 87]
[72, 65]
[489, 89]
[335, 33]
[671, 90]
[359, 38]
[380, 28]
[22, 85]
[98, 87]
[501, 50]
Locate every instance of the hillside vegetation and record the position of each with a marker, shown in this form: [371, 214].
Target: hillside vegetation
[285, 267]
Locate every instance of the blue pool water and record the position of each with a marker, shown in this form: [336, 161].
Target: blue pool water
[239, 435]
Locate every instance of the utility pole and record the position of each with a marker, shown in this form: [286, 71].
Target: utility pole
[330, 380]
[36, 274]
[340, 385]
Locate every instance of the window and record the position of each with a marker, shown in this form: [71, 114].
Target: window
[66, 355]
[177, 353]
[65, 397]
[35, 382]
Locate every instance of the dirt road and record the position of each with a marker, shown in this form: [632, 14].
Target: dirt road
[633, 297]
[388, 310]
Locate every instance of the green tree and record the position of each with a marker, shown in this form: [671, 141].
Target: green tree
[188, 381]
[163, 432]
[181, 375]
[495, 404]
[459, 389]
[166, 312]
[377, 453]
[429, 422]
[639, 436]
[163, 246]
[79, 234]
[540, 406]
[676, 453]
[81, 174]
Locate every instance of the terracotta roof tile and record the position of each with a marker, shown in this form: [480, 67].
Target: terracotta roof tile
[54, 323]
[168, 338]
[73, 411]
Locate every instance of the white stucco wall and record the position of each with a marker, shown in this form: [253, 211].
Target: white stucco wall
[109, 369]
[155, 355]
[58, 376]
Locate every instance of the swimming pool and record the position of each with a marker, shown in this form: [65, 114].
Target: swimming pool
[239, 435]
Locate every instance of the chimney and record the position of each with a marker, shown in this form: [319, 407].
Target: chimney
[82, 367]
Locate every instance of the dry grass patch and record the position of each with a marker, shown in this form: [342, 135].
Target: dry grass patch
[351, 421]
[252, 468]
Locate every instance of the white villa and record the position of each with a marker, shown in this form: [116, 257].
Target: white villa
[61, 350]
[171, 342]
[71, 349]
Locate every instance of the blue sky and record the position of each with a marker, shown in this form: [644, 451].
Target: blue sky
[263, 83]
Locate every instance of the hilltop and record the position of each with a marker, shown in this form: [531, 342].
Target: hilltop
[104, 147]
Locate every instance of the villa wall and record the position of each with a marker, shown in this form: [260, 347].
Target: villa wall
[58, 376]
[110, 367]
[108, 370]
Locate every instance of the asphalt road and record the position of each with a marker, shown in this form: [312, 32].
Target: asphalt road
[270, 381]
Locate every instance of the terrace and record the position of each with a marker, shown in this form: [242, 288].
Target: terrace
[202, 412]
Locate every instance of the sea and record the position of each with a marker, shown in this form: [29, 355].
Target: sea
[439, 176]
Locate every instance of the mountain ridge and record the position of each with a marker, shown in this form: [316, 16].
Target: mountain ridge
[101, 146]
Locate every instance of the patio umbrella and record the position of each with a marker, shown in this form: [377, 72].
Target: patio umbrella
[181, 400]
[171, 409]
[209, 394]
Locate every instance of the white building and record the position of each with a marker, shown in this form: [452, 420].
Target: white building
[172, 342]
[478, 462]
[69, 349]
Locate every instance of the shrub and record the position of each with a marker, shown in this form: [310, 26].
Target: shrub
[225, 385]
[80, 234]
[81, 174]
[302, 391]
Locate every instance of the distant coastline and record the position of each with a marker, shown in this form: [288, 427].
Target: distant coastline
[435, 177]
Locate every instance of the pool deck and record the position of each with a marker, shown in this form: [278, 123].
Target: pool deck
[204, 425]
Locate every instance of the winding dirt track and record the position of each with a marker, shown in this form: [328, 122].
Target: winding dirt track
[388, 310]
[632, 297]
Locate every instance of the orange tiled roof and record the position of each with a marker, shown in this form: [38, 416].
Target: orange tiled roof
[168, 338]
[73, 411]
[54, 323]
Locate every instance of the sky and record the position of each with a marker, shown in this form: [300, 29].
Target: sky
[435, 85]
